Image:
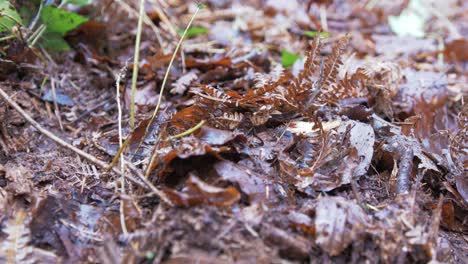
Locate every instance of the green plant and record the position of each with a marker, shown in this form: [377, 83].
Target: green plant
[55, 23]
[193, 31]
[288, 58]
[8, 16]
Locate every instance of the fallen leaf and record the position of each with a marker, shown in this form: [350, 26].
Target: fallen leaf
[251, 183]
[198, 192]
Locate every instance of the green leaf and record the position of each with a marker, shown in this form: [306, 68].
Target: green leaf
[288, 58]
[8, 16]
[54, 42]
[79, 2]
[60, 21]
[193, 31]
[313, 34]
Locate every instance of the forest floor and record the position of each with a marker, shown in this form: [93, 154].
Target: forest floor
[288, 132]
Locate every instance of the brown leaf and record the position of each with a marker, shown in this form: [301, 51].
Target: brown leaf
[457, 50]
[208, 64]
[199, 192]
[92, 33]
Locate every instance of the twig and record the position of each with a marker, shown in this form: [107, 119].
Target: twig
[56, 106]
[406, 165]
[122, 159]
[147, 184]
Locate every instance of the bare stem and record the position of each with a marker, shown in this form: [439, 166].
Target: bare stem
[156, 109]
[136, 60]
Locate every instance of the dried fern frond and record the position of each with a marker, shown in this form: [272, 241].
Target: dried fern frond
[16, 249]
[262, 115]
[333, 63]
[263, 79]
[181, 85]
[312, 61]
[231, 120]
[382, 75]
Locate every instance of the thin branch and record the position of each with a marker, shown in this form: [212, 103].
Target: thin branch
[406, 165]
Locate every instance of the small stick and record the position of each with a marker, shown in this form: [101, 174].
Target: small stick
[406, 165]
[122, 158]
[147, 184]
[56, 107]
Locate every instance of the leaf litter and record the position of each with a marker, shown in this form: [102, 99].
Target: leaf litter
[328, 133]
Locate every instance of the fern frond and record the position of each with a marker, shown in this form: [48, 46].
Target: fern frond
[231, 120]
[333, 63]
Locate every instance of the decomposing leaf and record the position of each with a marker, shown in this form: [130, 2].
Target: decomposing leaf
[294, 246]
[19, 179]
[337, 223]
[346, 153]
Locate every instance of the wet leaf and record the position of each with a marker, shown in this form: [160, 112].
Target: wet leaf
[251, 183]
[62, 99]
